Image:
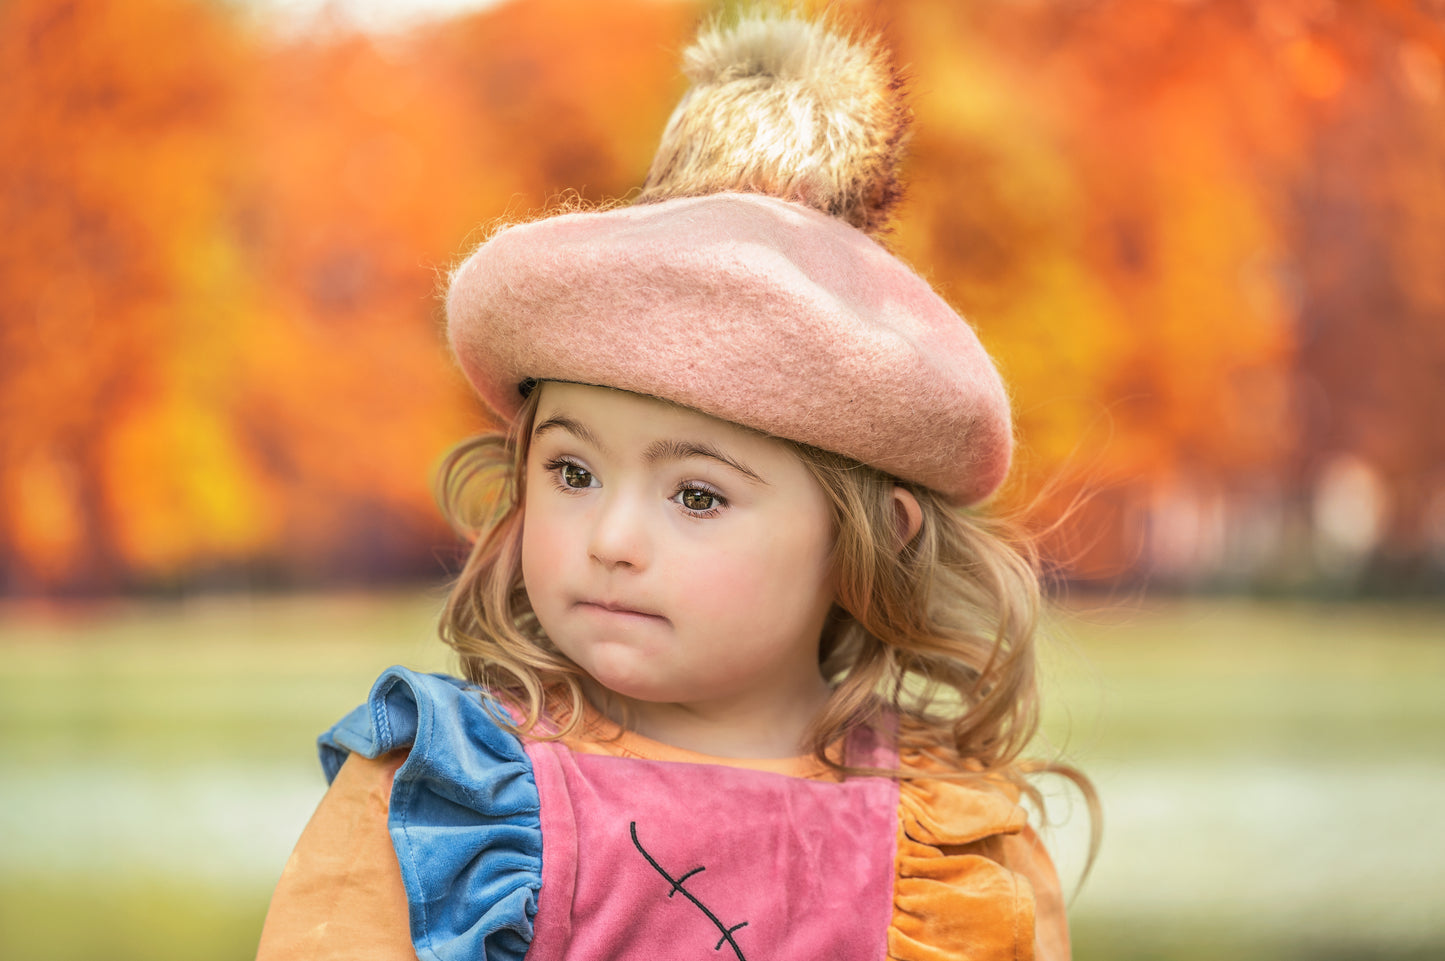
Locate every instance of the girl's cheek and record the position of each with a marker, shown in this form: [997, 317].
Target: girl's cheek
[726, 589]
[540, 548]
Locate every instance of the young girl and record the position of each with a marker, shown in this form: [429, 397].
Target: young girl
[742, 677]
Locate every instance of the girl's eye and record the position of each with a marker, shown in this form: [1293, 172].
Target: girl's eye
[569, 475]
[699, 500]
[576, 477]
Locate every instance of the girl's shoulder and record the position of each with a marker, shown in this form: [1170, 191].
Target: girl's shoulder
[965, 840]
[435, 716]
[432, 805]
[947, 801]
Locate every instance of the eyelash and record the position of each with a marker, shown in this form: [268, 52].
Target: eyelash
[555, 467]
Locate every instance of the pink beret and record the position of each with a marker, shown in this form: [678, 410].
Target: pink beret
[754, 310]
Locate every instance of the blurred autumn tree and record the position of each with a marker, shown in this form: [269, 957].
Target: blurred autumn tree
[1207, 239]
[221, 353]
[1204, 240]
[118, 126]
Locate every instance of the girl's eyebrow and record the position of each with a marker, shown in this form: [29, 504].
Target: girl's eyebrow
[656, 451]
[575, 428]
[681, 449]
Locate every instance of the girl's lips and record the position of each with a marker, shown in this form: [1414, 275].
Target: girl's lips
[611, 607]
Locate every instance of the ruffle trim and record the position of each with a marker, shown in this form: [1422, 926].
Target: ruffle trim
[954, 899]
[465, 817]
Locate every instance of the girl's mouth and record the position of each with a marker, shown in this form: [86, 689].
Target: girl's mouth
[618, 608]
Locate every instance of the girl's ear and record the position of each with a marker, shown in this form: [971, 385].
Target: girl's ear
[907, 516]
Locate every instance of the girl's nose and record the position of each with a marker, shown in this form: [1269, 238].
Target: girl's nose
[619, 536]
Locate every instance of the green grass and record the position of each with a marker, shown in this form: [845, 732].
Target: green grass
[130, 920]
[241, 687]
[1133, 939]
[256, 679]
[1240, 679]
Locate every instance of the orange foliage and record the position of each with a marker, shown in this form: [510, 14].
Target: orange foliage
[220, 348]
[1126, 197]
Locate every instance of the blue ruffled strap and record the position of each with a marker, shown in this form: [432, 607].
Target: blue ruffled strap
[465, 817]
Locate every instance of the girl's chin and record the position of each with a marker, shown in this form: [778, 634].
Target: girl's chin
[616, 683]
[642, 690]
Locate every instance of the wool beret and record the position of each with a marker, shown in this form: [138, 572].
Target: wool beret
[753, 309]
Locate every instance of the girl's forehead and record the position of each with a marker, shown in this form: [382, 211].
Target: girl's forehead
[610, 406]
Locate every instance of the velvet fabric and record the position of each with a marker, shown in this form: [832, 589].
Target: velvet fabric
[648, 859]
[748, 308]
[434, 853]
[340, 896]
[973, 881]
[465, 815]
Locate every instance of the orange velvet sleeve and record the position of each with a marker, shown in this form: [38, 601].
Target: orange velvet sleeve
[955, 898]
[974, 882]
[341, 895]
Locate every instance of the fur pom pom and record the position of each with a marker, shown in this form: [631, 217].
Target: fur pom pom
[788, 107]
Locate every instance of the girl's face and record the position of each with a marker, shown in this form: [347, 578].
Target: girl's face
[676, 558]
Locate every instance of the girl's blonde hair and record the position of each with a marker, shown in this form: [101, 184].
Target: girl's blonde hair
[940, 629]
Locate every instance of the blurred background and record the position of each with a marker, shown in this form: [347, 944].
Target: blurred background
[1205, 239]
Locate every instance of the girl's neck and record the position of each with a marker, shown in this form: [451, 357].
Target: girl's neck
[737, 729]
